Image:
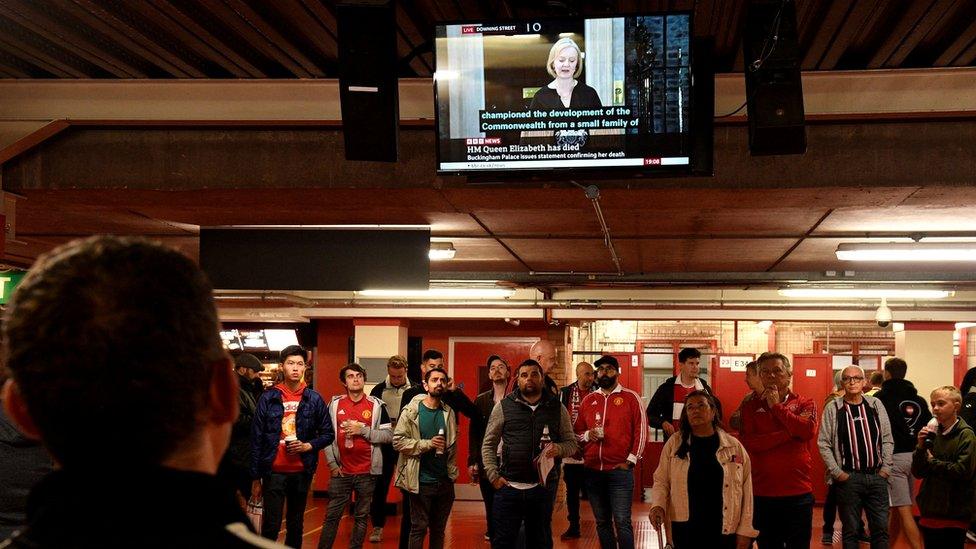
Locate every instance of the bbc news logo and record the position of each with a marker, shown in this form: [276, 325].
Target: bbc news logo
[483, 141]
[652, 161]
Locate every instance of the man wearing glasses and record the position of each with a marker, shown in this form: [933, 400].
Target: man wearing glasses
[776, 430]
[856, 446]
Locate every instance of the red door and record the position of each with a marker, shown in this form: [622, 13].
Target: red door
[467, 366]
[813, 377]
[729, 381]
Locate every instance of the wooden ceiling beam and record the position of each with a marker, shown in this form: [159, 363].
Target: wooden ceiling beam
[942, 11]
[198, 31]
[27, 15]
[911, 18]
[965, 40]
[131, 38]
[856, 18]
[153, 13]
[40, 59]
[255, 39]
[323, 39]
[966, 57]
[411, 36]
[12, 71]
[827, 30]
[275, 38]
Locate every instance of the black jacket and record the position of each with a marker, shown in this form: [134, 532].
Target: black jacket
[522, 433]
[484, 402]
[145, 507]
[947, 490]
[661, 406]
[312, 425]
[239, 452]
[907, 412]
[23, 462]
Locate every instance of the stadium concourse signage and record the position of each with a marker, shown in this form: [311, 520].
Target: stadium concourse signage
[8, 281]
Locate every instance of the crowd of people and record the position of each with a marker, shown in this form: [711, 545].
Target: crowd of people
[115, 340]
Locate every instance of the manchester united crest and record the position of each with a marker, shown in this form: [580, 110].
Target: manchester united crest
[367, 414]
[618, 401]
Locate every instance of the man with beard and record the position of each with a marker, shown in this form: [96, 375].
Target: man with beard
[235, 467]
[664, 409]
[529, 422]
[612, 426]
[572, 396]
[426, 437]
[498, 374]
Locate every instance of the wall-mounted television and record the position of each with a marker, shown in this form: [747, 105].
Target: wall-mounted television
[608, 93]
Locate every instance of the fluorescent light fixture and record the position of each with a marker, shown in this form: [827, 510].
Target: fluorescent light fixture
[865, 293]
[963, 325]
[441, 293]
[440, 251]
[446, 74]
[913, 251]
[765, 325]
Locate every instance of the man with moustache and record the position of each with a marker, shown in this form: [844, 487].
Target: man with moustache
[572, 397]
[776, 431]
[612, 427]
[426, 437]
[528, 423]
[498, 374]
[664, 409]
[454, 398]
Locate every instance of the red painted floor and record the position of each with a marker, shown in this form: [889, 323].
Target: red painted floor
[466, 528]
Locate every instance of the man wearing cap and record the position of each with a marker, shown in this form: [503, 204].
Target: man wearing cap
[235, 466]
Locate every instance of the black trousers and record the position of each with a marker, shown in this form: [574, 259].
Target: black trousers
[488, 496]
[694, 536]
[574, 485]
[783, 521]
[377, 508]
[944, 538]
[405, 520]
[286, 492]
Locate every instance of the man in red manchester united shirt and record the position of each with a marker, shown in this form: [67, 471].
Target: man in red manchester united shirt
[613, 430]
[776, 431]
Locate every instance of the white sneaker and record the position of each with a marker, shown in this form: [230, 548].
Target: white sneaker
[376, 536]
[971, 536]
[487, 537]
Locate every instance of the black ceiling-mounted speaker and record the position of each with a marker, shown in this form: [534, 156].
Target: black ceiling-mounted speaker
[368, 79]
[774, 93]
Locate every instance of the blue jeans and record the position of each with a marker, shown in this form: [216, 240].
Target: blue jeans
[867, 491]
[340, 492]
[512, 507]
[611, 494]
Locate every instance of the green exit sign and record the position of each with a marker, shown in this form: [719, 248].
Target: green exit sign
[9, 281]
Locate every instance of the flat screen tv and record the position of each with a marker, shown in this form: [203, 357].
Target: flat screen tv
[595, 94]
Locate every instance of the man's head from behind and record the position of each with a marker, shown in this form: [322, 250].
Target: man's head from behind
[119, 338]
[895, 368]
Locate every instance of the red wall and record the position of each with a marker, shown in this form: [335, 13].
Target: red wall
[437, 332]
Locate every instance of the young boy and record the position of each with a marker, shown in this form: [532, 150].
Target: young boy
[945, 458]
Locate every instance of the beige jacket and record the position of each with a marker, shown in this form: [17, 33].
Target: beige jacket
[670, 490]
[407, 441]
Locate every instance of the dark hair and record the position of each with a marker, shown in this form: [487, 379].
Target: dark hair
[432, 370]
[897, 367]
[432, 354]
[606, 359]
[688, 352]
[685, 429]
[354, 367]
[293, 350]
[877, 378]
[493, 358]
[529, 363]
[113, 331]
[753, 367]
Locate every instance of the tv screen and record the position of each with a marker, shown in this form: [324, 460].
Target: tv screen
[592, 94]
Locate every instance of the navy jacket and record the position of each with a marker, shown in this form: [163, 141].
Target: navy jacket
[312, 425]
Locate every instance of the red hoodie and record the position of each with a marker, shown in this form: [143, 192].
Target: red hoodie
[778, 441]
[283, 461]
[624, 428]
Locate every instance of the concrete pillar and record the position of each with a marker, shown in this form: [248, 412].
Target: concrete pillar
[376, 340]
[927, 348]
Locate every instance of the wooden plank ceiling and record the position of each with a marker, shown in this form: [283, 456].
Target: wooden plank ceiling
[297, 38]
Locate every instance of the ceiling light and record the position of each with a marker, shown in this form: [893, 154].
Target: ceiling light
[913, 251]
[442, 293]
[964, 325]
[440, 251]
[865, 293]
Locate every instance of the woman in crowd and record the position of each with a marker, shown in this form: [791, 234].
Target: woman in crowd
[704, 482]
[945, 460]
